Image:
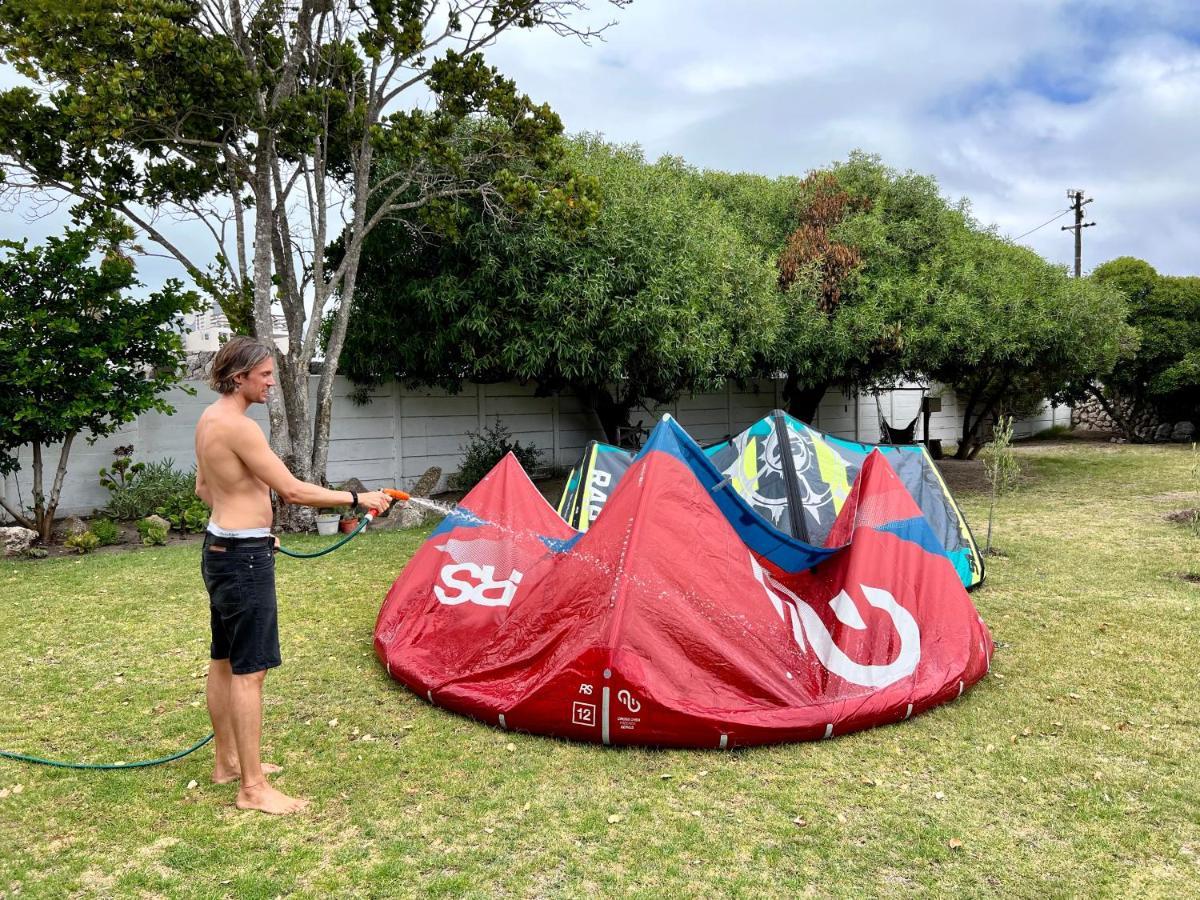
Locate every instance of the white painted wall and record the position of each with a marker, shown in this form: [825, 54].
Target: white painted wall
[393, 439]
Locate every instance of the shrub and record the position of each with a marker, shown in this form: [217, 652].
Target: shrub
[83, 542]
[124, 470]
[153, 533]
[154, 485]
[187, 514]
[107, 531]
[486, 448]
[122, 502]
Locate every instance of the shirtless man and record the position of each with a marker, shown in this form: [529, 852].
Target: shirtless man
[235, 472]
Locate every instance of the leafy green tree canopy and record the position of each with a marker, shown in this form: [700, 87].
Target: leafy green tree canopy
[1165, 371]
[854, 271]
[261, 122]
[659, 295]
[1007, 330]
[78, 352]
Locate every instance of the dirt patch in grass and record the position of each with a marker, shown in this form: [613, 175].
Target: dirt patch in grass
[1184, 516]
[963, 475]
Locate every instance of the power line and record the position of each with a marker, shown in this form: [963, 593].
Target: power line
[1044, 224]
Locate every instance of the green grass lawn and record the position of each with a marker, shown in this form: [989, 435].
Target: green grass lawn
[1073, 769]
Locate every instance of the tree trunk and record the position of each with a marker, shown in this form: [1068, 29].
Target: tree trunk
[56, 488]
[39, 499]
[264, 229]
[802, 402]
[297, 451]
[966, 445]
[1111, 409]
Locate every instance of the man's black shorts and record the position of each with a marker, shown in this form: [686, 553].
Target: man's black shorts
[239, 574]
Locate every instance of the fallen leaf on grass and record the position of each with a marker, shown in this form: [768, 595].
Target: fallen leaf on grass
[938, 795]
[511, 748]
[799, 822]
[955, 844]
[614, 819]
[666, 775]
[193, 784]
[333, 723]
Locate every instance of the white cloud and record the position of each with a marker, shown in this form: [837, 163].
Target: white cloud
[1008, 104]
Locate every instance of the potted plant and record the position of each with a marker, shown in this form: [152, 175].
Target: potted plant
[349, 519]
[327, 520]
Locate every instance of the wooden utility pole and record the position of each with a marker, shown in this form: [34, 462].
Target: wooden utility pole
[1077, 204]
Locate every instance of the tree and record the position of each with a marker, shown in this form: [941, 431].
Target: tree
[854, 270]
[655, 295]
[1006, 329]
[1164, 373]
[262, 121]
[1001, 468]
[78, 354]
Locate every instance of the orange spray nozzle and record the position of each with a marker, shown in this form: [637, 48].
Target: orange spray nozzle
[395, 495]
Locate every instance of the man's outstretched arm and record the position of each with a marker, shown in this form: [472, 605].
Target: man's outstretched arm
[252, 449]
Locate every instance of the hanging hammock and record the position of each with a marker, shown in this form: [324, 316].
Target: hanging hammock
[891, 434]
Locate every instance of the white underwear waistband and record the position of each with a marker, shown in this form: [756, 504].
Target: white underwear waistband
[215, 529]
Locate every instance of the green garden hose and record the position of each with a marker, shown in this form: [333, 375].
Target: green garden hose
[296, 555]
[133, 765]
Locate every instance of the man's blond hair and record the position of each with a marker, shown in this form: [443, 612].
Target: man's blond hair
[238, 356]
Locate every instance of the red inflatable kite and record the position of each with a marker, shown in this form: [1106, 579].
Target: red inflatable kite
[681, 618]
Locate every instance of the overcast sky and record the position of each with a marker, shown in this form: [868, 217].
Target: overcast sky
[1006, 103]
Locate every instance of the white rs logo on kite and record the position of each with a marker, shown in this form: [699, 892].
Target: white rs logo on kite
[471, 577]
[805, 622]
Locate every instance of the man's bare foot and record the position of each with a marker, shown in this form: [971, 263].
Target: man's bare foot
[266, 799]
[229, 774]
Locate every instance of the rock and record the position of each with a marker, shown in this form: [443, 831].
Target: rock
[352, 484]
[71, 526]
[1183, 432]
[1162, 433]
[427, 483]
[409, 516]
[17, 540]
[158, 520]
[198, 365]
